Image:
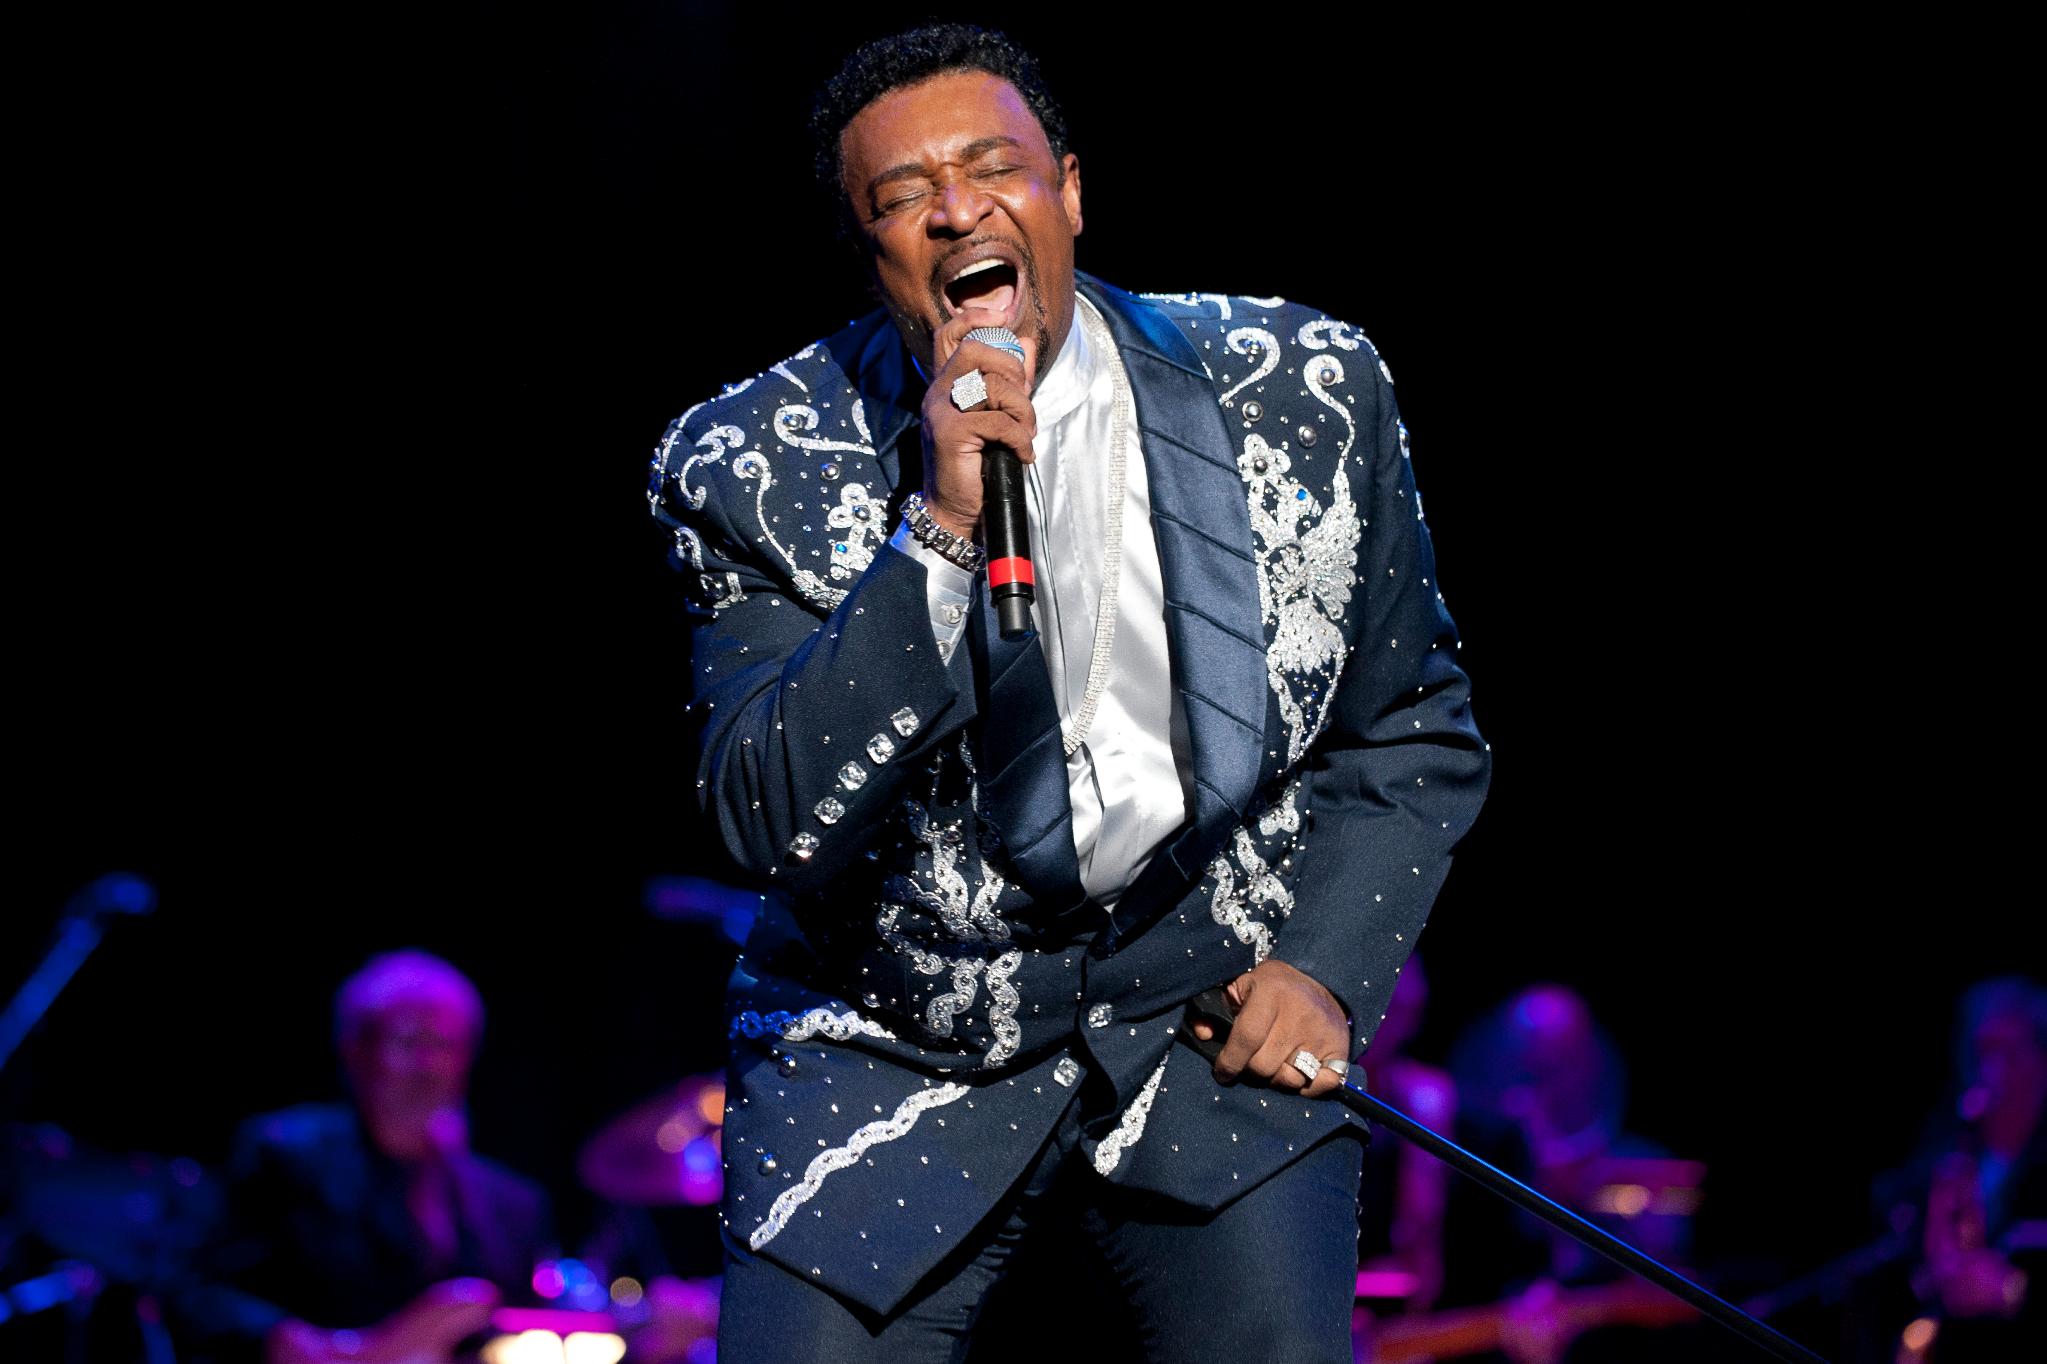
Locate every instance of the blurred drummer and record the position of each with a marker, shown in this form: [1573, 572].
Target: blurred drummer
[368, 1231]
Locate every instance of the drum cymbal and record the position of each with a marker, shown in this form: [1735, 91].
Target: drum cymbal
[662, 1151]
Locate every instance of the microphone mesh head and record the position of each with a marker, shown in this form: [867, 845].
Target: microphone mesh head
[1002, 338]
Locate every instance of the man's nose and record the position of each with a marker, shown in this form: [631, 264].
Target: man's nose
[961, 206]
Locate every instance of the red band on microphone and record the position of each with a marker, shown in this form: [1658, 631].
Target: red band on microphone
[1010, 570]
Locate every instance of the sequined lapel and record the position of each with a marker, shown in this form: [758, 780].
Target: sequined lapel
[1214, 624]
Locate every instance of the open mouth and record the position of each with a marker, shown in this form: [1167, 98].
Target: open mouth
[989, 283]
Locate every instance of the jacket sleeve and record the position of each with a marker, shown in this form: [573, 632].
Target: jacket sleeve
[1398, 774]
[807, 723]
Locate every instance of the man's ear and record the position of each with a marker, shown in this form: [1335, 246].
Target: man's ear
[1069, 189]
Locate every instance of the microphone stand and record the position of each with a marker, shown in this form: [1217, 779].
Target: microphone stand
[77, 935]
[1213, 1006]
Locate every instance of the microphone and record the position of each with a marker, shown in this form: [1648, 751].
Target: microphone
[1011, 582]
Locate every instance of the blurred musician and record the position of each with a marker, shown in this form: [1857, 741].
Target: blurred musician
[1973, 1202]
[1542, 1092]
[368, 1231]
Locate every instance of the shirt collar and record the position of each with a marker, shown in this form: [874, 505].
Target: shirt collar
[1066, 384]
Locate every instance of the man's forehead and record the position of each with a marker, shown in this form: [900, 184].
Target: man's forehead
[939, 116]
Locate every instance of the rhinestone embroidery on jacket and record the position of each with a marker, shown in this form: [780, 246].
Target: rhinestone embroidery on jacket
[797, 1028]
[838, 1158]
[858, 518]
[1306, 566]
[1109, 1153]
[1241, 890]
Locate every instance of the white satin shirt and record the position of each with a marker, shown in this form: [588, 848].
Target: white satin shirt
[1129, 778]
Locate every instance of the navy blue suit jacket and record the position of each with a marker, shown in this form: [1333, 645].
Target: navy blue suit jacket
[907, 1027]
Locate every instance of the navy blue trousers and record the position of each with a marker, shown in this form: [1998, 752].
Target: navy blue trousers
[1271, 1277]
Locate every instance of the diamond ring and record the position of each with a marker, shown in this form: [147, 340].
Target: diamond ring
[969, 389]
[1304, 1061]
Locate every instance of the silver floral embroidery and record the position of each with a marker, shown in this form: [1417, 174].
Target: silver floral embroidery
[712, 447]
[1274, 302]
[938, 1017]
[859, 517]
[1321, 375]
[891, 1128]
[793, 424]
[1002, 1011]
[1306, 567]
[1109, 1153]
[798, 1028]
[1232, 903]
[689, 547]
[1240, 342]
[967, 918]
[1284, 814]
[793, 419]
[754, 465]
[723, 589]
[1323, 332]
[657, 468]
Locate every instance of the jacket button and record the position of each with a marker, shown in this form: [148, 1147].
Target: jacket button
[1253, 410]
[767, 1165]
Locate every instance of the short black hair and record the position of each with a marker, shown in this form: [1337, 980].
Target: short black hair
[875, 68]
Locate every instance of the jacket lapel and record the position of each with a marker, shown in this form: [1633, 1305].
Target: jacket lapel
[1214, 623]
[1022, 765]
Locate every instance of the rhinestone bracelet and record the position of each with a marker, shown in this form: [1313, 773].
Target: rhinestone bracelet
[925, 527]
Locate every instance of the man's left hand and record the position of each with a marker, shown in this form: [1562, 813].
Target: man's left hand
[1281, 1010]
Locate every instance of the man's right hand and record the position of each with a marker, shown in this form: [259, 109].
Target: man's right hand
[954, 440]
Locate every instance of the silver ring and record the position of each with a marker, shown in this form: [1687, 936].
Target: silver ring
[1337, 1064]
[1304, 1061]
[1002, 338]
[968, 390]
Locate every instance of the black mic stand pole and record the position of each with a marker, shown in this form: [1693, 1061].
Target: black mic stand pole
[77, 935]
[1214, 1007]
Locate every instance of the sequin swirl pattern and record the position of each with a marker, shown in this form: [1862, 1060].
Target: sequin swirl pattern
[967, 919]
[1244, 887]
[1307, 564]
[1109, 1152]
[811, 1023]
[827, 1163]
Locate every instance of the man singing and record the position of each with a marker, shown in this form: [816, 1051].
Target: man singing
[1236, 749]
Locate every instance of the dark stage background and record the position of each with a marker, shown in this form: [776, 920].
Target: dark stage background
[346, 624]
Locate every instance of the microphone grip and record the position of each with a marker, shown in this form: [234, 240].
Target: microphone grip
[1010, 580]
